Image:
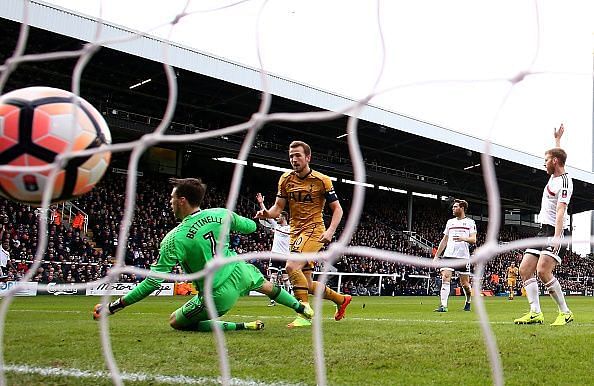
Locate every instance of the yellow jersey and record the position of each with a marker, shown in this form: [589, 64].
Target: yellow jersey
[306, 198]
[512, 272]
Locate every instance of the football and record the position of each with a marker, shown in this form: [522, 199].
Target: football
[37, 124]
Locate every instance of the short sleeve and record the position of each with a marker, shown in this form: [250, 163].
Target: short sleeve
[472, 228]
[282, 187]
[565, 194]
[330, 194]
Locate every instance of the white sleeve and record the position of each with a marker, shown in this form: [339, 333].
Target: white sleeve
[266, 223]
[4, 256]
[269, 223]
[565, 194]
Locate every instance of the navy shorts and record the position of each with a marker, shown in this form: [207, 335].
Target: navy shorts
[461, 270]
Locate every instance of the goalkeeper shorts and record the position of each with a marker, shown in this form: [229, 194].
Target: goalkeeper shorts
[245, 278]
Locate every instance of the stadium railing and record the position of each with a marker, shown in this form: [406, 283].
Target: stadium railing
[379, 276]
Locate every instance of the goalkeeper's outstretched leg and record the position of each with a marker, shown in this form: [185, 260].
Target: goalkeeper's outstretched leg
[194, 316]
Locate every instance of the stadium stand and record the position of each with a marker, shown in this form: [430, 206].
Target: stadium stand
[75, 256]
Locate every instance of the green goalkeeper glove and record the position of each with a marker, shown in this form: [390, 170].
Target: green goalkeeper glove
[112, 308]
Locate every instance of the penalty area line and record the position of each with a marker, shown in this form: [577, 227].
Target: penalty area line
[134, 377]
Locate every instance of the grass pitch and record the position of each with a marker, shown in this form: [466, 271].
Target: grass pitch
[53, 340]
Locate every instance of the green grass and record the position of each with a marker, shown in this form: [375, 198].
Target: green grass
[392, 340]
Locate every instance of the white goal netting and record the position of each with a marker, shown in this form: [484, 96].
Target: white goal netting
[388, 73]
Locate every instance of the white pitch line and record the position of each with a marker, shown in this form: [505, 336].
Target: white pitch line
[50, 311]
[446, 321]
[80, 312]
[135, 377]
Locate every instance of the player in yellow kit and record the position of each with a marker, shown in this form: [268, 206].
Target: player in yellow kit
[512, 276]
[307, 191]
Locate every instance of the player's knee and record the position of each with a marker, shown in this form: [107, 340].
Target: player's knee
[526, 272]
[292, 267]
[267, 288]
[544, 275]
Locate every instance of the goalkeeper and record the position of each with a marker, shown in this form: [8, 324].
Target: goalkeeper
[192, 244]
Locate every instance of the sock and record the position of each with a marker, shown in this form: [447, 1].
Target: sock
[207, 325]
[299, 282]
[444, 293]
[283, 297]
[531, 287]
[467, 293]
[329, 294]
[557, 294]
[511, 293]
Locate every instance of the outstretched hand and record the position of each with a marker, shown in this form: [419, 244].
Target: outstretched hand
[262, 214]
[259, 198]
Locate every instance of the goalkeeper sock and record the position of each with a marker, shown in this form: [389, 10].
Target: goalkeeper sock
[299, 282]
[116, 305]
[207, 325]
[286, 299]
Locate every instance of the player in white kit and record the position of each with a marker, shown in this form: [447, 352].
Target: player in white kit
[459, 233]
[554, 222]
[4, 260]
[280, 244]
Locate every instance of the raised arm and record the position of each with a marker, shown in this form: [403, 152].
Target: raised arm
[558, 133]
[268, 222]
[274, 211]
[260, 200]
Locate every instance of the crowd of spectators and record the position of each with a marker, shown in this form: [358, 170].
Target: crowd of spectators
[73, 255]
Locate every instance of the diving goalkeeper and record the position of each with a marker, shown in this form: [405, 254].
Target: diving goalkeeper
[192, 244]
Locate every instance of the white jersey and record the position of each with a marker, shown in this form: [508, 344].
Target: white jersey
[4, 256]
[455, 227]
[280, 241]
[559, 189]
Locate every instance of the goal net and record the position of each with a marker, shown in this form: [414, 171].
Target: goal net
[491, 101]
